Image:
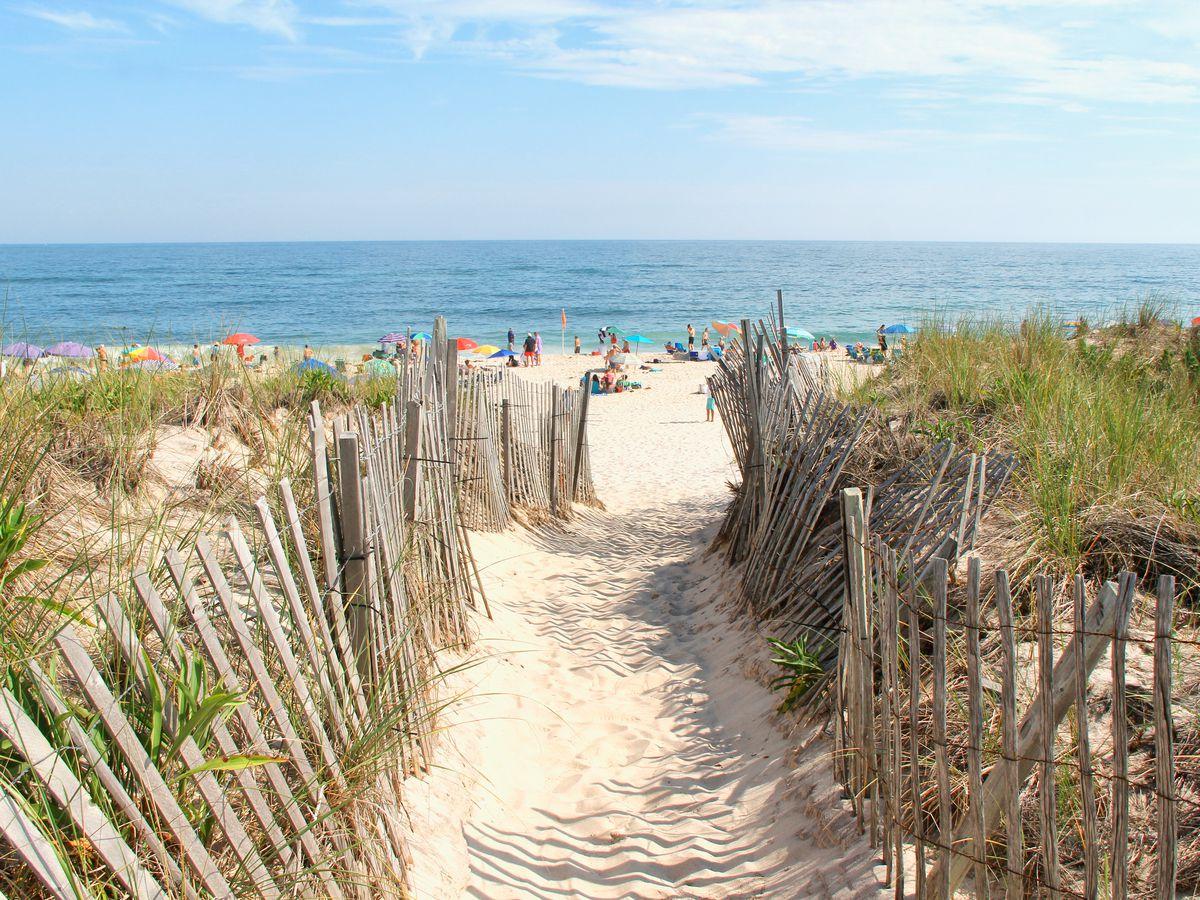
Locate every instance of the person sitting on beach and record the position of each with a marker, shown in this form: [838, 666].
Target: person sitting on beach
[530, 349]
[595, 384]
[308, 352]
[833, 343]
[607, 381]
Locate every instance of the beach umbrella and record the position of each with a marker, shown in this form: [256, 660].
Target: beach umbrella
[726, 328]
[465, 343]
[315, 365]
[70, 349]
[379, 368]
[636, 339]
[73, 372]
[501, 354]
[392, 337]
[486, 349]
[613, 329]
[422, 336]
[899, 328]
[158, 364]
[1196, 322]
[141, 354]
[801, 334]
[23, 350]
[241, 339]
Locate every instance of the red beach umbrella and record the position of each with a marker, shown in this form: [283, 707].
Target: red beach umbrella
[726, 328]
[1196, 322]
[241, 339]
[466, 343]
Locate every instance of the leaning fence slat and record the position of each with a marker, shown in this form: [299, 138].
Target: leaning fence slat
[1087, 786]
[1164, 750]
[914, 706]
[54, 773]
[140, 764]
[33, 847]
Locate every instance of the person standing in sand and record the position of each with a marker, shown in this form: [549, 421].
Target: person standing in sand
[102, 357]
[691, 338]
[704, 337]
[529, 349]
[512, 339]
[710, 408]
[578, 349]
[537, 348]
[197, 359]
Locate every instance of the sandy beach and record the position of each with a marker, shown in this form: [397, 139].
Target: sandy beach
[612, 736]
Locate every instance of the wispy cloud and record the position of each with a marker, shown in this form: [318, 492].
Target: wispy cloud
[798, 133]
[277, 17]
[683, 44]
[74, 20]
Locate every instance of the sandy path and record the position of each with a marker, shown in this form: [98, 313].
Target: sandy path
[608, 742]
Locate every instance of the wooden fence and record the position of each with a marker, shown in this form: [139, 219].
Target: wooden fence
[792, 440]
[240, 722]
[954, 713]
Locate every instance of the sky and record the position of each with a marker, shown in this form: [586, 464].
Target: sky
[233, 120]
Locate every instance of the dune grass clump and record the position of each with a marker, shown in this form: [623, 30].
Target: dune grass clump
[1105, 426]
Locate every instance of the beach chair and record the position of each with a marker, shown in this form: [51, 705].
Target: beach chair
[877, 355]
[852, 352]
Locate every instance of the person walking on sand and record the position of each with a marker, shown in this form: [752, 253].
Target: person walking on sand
[512, 339]
[530, 349]
[578, 349]
[882, 338]
[710, 408]
[704, 337]
[691, 338]
[537, 348]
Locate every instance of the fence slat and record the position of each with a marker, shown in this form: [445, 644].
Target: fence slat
[1047, 794]
[54, 773]
[1119, 853]
[945, 834]
[975, 728]
[1164, 745]
[914, 748]
[140, 764]
[1087, 786]
[1014, 858]
[33, 847]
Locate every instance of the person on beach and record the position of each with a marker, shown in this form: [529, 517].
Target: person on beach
[277, 354]
[197, 357]
[578, 348]
[882, 338]
[537, 348]
[691, 338]
[512, 339]
[215, 353]
[595, 384]
[529, 349]
[102, 357]
[308, 352]
[710, 408]
[612, 339]
[704, 337]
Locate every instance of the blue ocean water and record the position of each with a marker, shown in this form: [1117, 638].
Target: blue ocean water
[338, 293]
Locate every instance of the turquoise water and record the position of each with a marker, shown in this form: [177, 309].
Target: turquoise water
[340, 293]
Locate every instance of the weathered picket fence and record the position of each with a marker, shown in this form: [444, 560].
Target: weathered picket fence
[941, 735]
[522, 447]
[240, 722]
[792, 439]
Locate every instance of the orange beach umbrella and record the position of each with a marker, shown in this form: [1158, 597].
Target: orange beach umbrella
[466, 343]
[241, 339]
[726, 328]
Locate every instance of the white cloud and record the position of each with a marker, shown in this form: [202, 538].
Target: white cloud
[714, 43]
[74, 20]
[278, 17]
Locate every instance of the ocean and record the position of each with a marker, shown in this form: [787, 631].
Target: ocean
[351, 293]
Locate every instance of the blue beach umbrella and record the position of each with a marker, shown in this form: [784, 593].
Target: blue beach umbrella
[899, 328]
[639, 339]
[422, 336]
[315, 365]
[501, 354]
[800, 334]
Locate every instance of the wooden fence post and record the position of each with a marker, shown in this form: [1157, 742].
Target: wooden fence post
[580, 437]
[1164, 733]
[412, 459]
[506, 447]
[555, 406]
[358, 602]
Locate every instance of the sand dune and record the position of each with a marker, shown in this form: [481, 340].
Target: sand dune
[610, 738]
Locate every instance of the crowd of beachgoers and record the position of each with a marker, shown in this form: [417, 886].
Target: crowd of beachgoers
[615, 352]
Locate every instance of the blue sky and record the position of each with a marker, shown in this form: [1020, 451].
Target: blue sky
[399, 119]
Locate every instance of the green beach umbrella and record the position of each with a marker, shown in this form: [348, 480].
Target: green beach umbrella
[801, 334]
[379, 368]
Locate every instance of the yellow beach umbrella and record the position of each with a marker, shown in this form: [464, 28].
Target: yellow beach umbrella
[485, 349]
